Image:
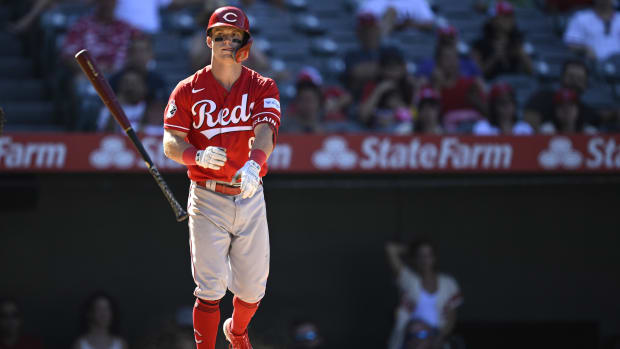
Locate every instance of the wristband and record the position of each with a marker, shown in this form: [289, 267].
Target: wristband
[189, 156]
[259, 156]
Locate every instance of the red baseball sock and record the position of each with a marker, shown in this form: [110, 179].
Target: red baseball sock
[242, 314]
[206, 321]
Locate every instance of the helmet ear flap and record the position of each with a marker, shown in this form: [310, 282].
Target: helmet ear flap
[243, 52]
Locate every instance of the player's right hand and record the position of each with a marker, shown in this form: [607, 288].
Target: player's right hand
[212, 157]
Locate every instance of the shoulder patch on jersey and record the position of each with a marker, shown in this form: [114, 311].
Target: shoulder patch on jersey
[172, 109]
[271, 103]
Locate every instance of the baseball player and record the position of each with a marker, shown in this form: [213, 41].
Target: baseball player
[222, 123]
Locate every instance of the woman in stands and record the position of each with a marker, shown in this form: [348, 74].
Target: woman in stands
[386, 102]
[500, 50]
[502, 114]
[99, 324]
[429, 299]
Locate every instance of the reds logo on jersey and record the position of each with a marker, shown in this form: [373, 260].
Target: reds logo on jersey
[206, 108]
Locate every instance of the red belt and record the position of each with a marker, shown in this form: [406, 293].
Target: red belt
[221, 188]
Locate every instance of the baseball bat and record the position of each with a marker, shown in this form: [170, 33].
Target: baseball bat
[111, 102]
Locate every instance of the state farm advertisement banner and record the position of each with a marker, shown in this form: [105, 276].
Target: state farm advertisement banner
[299, 153]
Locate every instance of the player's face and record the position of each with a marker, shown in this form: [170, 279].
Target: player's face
[224, 42]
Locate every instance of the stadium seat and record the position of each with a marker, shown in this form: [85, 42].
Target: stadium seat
[324, 46]
[297, 5]
[22, 89]
[600, 96]
[15, 67]
[308, 24]
[33, 113]
[10, 45]
[181, 22]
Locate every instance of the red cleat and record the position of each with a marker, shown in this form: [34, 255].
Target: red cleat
[236, 342]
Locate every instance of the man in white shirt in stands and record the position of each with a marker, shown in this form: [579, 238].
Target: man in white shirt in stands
[400, 14]
[595, 32]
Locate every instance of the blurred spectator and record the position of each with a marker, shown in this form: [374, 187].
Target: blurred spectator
[106, 38]
[99, 324]
[305, 334]
[429, 298]
[502, 114]
[595, 32]
[484, 6]
[419, 335]
[174, 332]
[500, 49]
[140, 59]
[400, 14]
[540, 107]
[2, 121]
[448, 36]
[566, 5]
[149, 20]
[462, 98]
[566, 117]
[305, 112]
[132, 95]
[28, 19]
[387, 102]
[429, 112]
[316, 108]
[362, 63]
[11, 321]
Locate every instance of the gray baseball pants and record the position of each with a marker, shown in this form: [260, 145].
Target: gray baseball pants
[229, 244]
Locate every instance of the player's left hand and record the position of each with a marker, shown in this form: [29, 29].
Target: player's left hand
[250, 178]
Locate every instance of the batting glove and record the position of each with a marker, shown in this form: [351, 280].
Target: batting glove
[250, 178]
[212, 157]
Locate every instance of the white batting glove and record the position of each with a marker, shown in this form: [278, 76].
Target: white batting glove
[250, 178]
[212, 157]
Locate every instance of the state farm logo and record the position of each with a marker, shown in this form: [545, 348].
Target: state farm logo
[112, 153]
[335, 153]
[32, 155]
[560, 154]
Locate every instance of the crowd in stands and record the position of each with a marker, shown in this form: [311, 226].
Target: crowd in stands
[99, 326]
[465, 87]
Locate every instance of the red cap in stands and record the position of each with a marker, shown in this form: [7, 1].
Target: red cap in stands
[503, 8]
[564, 95]
[365, 19]
[428, 93]
[500, 89]
[310, 74]
[448, 31]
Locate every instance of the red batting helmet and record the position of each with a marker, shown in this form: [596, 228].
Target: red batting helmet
[230, 16]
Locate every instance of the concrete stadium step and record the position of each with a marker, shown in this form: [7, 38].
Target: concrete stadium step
[30, 128]
[22, 90]
[5, 15]
[16, 67]
[29, 113]
[11, 46]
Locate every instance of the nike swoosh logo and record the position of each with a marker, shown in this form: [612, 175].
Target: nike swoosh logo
[214, 131]
[198, 90]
